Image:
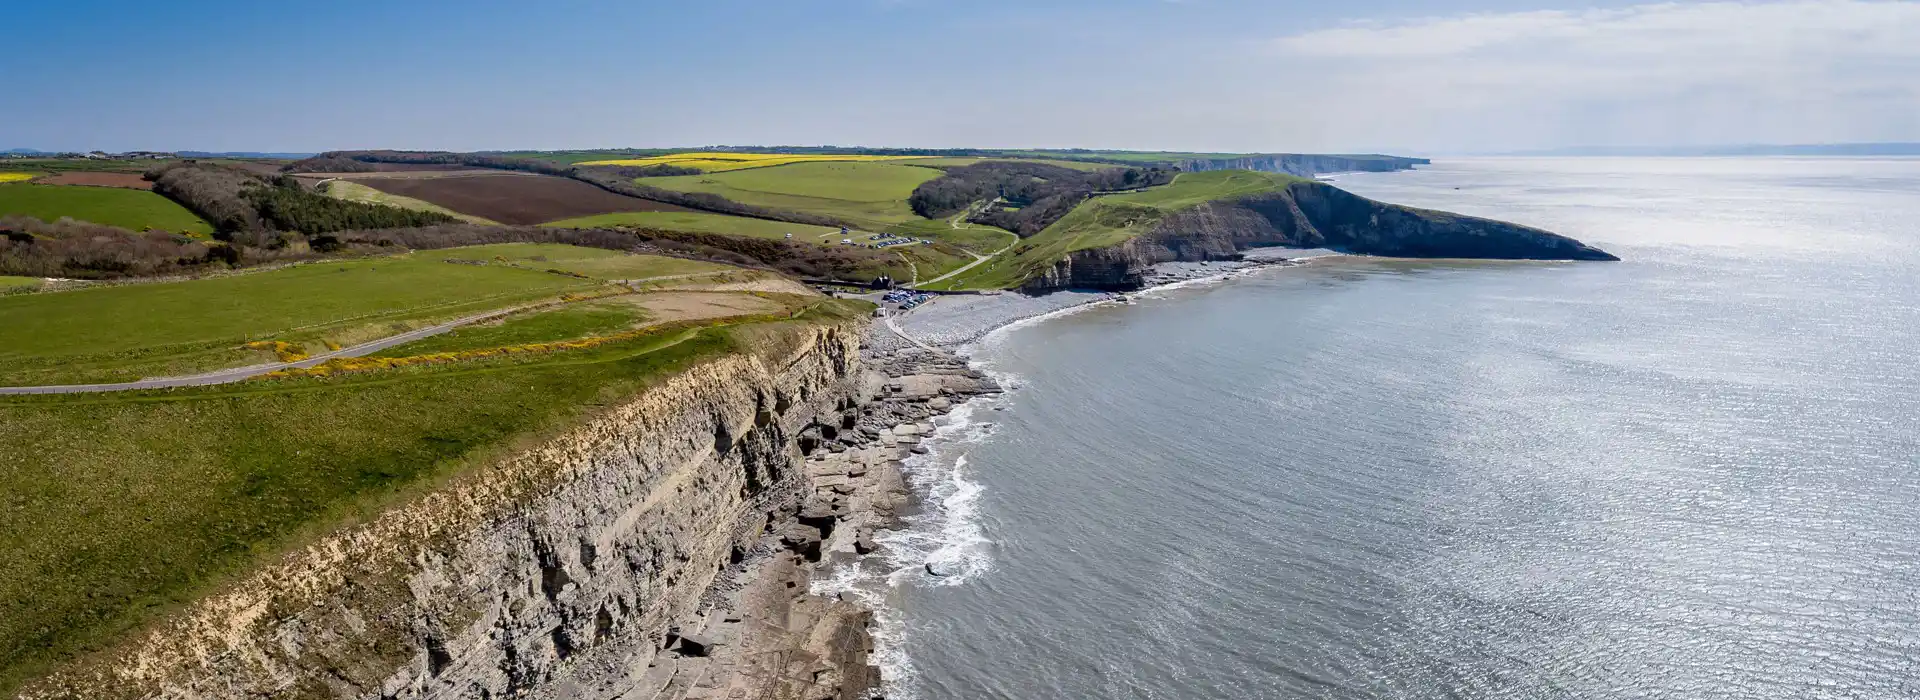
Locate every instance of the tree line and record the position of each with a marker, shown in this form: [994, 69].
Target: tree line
[248, 209]
[83, 250]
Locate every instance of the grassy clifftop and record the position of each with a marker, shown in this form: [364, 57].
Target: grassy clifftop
[1112, 219]
[117, 508]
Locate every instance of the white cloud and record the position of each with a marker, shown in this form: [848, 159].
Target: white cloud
[1718, 72]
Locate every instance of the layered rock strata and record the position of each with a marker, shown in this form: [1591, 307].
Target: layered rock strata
[662, 549]
[766, 636]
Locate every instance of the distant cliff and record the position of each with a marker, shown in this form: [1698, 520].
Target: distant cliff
[1304, 165]
[1308, 215]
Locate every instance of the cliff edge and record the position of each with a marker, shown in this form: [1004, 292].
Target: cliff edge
[1303, 214]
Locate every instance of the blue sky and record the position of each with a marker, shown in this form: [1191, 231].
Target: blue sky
[1240, 75]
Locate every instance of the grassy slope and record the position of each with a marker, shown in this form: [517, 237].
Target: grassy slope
[115, 508]
[132, 209]
[1110, 220]
[198, 325]
[871, 194]
[356, 192]
[704, 222]
[569, 322]
[12, 282]
[592, 262]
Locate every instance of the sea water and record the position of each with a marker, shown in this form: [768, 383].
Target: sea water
[1694, 473]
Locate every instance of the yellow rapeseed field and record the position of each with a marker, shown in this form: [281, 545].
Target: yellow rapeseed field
[16, 177]
[719, 162]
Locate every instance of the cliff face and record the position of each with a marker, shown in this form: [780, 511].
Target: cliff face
[1308, 215]
[558, 571]
[1305, 165]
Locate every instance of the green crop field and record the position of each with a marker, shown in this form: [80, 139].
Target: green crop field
[131, 209]
[356, 192]
[118, 508]
[126, 332]
[703, 222]
[870, 194]
[1112, 219]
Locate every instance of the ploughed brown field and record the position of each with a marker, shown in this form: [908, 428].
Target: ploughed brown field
[515, 199]
[131, 181]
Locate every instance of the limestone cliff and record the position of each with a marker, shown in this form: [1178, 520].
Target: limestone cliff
[563, 569]
[1305, 214]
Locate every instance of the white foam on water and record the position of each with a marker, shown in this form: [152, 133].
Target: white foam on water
[946, 534]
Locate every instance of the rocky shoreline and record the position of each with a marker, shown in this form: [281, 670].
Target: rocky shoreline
[762, 632]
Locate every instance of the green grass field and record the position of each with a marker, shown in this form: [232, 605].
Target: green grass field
[119, 508]
[571, 157]
[955, 162]
[131, 209]
[905, 260]
[592, 262]
[1141, 157]
[703, 222]
[1112, 219]
[569, 322]
[356, 192]
[58, 165]
[873, 195]
[126, 332]
[9, 283]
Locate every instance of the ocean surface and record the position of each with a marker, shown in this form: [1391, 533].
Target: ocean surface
[1691, 474]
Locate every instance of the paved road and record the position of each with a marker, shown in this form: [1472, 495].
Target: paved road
[895, 327]
[977, 259]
